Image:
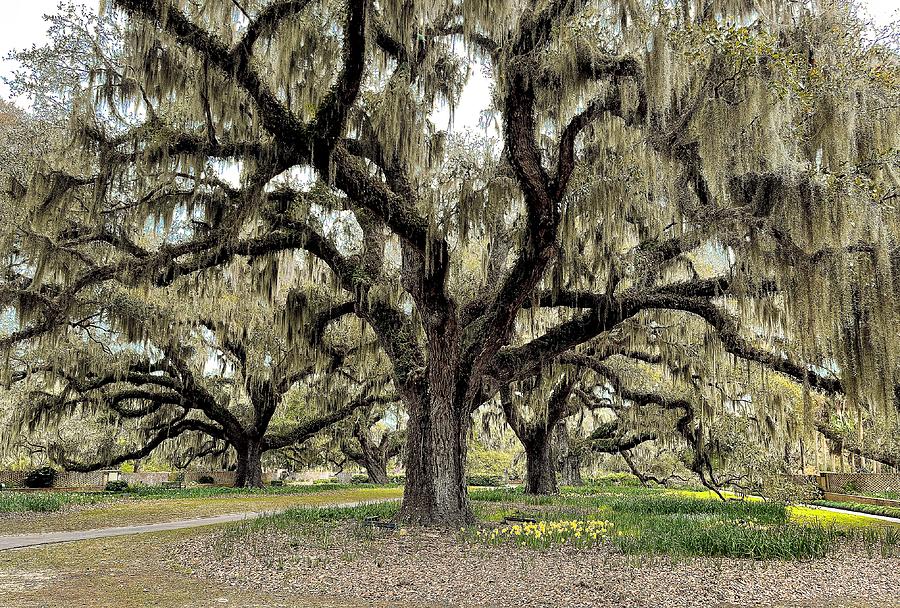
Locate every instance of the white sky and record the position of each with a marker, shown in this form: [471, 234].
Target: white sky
[23, 25]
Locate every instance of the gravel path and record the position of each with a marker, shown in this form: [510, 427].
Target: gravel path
[20, 541]
[425, 568]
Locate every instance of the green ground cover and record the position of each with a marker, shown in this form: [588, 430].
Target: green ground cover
[680, 523]
[20, 502]
[859, 507]
[158, 509]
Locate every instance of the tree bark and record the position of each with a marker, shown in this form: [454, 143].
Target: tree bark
[435, 493]
[373, 458]
[377, 471]
[376, 468]
[249, 465]
[568, 461]
[540, 476]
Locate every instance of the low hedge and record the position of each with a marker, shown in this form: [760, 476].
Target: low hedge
[859, 507]
[116, 486]
[484, 480]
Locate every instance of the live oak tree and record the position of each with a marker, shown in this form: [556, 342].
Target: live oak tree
[637, 139]
[371, 443]
[209, 382]
[534, 423]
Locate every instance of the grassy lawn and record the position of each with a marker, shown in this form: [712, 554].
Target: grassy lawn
[155, 509]
[20, 502]
[678, 523]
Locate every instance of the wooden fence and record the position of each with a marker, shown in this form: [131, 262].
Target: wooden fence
[854, 483]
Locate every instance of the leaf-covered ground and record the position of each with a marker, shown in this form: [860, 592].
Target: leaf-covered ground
[326, 558]
[676, 549]
[125, 573]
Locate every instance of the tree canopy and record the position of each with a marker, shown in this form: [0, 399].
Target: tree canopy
[725, 170]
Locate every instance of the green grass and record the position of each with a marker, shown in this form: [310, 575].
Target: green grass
[642, 501]
[297, 527]
[859, 507]
[306, 516]
[678, 523]
[19, 502]
[136, 512]
[44, 502]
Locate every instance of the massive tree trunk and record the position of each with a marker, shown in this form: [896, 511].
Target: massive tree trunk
[435, 493]
[568, 460]
[540, 473]
[249, 465]
[439, 409]
[537, 437]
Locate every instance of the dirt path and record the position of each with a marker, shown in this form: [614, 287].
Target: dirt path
[21, 541]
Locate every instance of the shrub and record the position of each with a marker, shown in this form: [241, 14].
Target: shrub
[205, 479]
[276, 482]
[782, 488]
[398, 479]
[859, 507]
[484, 480]
[116, 486]
[40, 478]
[359, 479]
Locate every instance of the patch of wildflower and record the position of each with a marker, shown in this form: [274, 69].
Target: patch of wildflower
[545, 534]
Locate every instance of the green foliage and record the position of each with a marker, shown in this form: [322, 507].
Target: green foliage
[203, 479]
[40, 478]
[116, 486]
[678, 534]
[481, 461]
[889, 495]
[484, 480]
[860, 507]
[642, 521]
[41, 502]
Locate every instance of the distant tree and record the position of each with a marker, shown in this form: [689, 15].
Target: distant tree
[535, 428]
[210, 384]
[371, 444]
